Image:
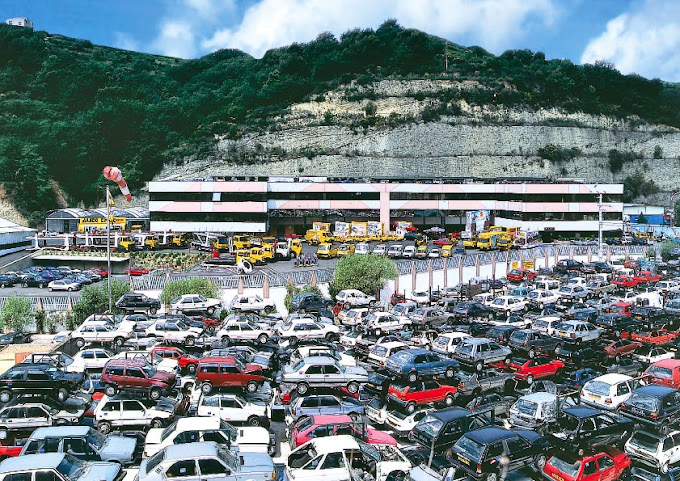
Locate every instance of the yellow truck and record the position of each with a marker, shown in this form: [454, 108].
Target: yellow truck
[505, 241]
[487, 241]
[240, 242]
[126, 243]
[317, 237]
[288, 249]
[345, 250]
[326, 251]
[258, 256]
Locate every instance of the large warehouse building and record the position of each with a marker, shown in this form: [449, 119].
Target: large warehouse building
[286, 204]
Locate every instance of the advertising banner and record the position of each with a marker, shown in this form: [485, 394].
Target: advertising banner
[359, 229]
[375, 228]
[403, 227]
[322, 226]
[477, 221]
[341, 228]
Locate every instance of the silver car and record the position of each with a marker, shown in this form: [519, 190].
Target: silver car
[323, 372]
[479, 352]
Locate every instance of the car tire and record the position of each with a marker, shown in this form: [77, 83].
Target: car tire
[268, 309]
[190, 341]
[206, 388]
[5, 396]
[153, 311]
[110, 390]
[353, 387]
[24, 284]
[411, 407]
[617, 358]
[254, 421]
[412, 376]
[191, 368]
[262, 339]
[50, 289]
[539, 462]
[80, 343]
[449, 400]
[104, 427]
[530, 379]
[119, 341]
[155, 393]
[156, 423]
[293, 341]
[664, 428]
[479, 366]
[41, 285]
[330, 336]
[378, 332]
[302, 388]
[62, 395]
[225, 340]
[251, 387]
[450, 372]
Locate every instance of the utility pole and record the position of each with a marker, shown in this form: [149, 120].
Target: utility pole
[108, 244]
[599, 227]
[446, 57]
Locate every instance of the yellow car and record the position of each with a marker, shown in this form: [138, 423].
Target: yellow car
[446, 250]
[326, 251]
[421, 252]
[346, 250]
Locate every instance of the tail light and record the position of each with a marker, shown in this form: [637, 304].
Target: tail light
[479, 469]
[623, 405]
[461, 386]
[654, 415]
[572, 335]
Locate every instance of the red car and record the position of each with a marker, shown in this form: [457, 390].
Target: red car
[397, 298]
[530, 369]
[665, 372]
[99, 270]
[521, 274]
[625, 281]
[228, 371]
[443, 241]
[655, 336]
[312, 427]
[290, 235]
[630, 263]
[610, 464]
[625, 308]
[622, 347]
[421, 392]
[647, 276]
[208, 322]
[136, 271]
[186, 362]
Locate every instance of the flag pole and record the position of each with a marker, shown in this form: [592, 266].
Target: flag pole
[108, 244]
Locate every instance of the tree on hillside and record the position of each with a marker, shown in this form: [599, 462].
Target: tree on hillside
[367, 273]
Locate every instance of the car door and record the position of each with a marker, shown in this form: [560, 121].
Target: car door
[432, 392]
[674, 450]
[101, 358]
[231, 376]
[309, 406]
[518, 450]
[111, 413]
[135, 378]
[314, 374]
[37, 416]
[133, 414]
[183, 470]
[247, 332]
[606, 468]
[329, 405]
[231, 410]
[211, 469]
[332, 374]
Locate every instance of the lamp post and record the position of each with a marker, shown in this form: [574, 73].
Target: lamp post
[108, 244]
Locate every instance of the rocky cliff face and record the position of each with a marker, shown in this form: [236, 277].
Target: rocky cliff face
[388, 128]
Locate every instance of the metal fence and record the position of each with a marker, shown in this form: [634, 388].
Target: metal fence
[49, 303]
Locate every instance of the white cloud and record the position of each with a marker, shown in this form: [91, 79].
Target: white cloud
[644, 40]
[491, 24]
[125, 41]
[176, 39]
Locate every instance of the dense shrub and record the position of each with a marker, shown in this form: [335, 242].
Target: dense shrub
[94, 299]
[555, 153]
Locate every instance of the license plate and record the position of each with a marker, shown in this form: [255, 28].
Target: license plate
[563, 334]
[595, 397]
[464, 460]
[557, 477]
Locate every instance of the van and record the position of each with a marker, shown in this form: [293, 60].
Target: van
[217, 372]
[361, 248]
[395, 251]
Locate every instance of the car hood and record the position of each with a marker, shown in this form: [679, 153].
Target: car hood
[116, 446]
[154, 435]
[164, 376]
[356, 371]
[379, 437]
[101, 472]
[253, 367]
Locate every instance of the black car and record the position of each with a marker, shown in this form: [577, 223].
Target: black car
[136, 302]
[626, 366]
[655, 406]
[603, 267]
[614, 324]
[653, 317]
[531, 342]
[27, 378]
[576, 355]
[589, 314]
[476, 329]
[488, 451]
[310, 302]
[471, 310]
[501, 334]
[7, 281]
[566, 265]
[583, 427]
[14, 338]
[34, 281]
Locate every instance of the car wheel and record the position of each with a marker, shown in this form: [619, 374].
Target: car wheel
[62, 395]
[263, 339]
[353, 387]
[191, 368]
[251, 387]
[110, 391]
[153, 311]
[104, 427]
[302, 388]
[449, 400]
[479, 366]
[119, 341]
[190, 341]
[509, 386]
[253, 421]
[532, 353]
[664, 428]
[330, 336]
[450, 372]
[155, 393]
[293, 341]
[5, 396]
[80, 343]
[225, 340]
[50, 289]
[210, 311]
[156, 423]
[41, 285]
[411, 407]
[618, 358]
[206, 388]
[24, 284]
[617, 333]
[411, 437]
[268, 309]
[412, 377]
[540, 462]
[530, 379]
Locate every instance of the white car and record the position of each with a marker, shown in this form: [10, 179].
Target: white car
[402, 423]
[434, 254]
[380, 352]
[578, 331]
[485, 298]
[649, 354]
[340, 458]
[658, 450]
[380, 322]
[99, 333]
[361, 248]
[446, 343]
[244, 331]
[380, 250]
[541, 298]
[353, 317]
[608, 391]
[574, 292]
[296, 330]
[208, 428]
[349, 339]
[232, 408]
[420, 297]
[113, 412]
[64, 285]
[409, 252]
[242, 303]
[508, 305]
[578, 281]
[93, 358]
[354, 297]
[547, 324]
[515, 321]
[174, 332]
[194, 303]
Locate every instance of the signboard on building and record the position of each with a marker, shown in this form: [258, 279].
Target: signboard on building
[402, 227]
[341, 229]
[375, 228]
[359, 229]
[477, 221]
[321, 226]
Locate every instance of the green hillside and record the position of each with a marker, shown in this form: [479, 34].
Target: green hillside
[68, 107]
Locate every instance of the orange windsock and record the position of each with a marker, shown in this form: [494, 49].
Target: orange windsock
[114, 174]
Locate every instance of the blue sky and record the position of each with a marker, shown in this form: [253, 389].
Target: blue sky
[640, 36]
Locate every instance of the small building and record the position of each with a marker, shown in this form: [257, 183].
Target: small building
[79, 220]
[14, 237]
[20, 22]
[653, 214]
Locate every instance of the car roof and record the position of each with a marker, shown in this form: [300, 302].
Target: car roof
[179, 451]
[539, 397]
[60, 431]
[582, 412]
[331, 418]
[32, 462]
[222, 359]
[655, 390]
[392, 344]
[612, 378]
[319, 360]
[489, 434]
[669, 363]
[448, 414]
[199, 422]
[121, 361]
[335, 443]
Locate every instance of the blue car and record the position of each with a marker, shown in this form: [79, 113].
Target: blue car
[416, 363]
[578, 378]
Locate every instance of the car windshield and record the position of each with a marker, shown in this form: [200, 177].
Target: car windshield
[286, 326]
[167, 431]
[304, 423]
[526, 407]
[570, 468]
[644, 441]
[96, 438]
[644, 402]
[659, 371]
[568, 423]
[441, 341]
[431, 425]
[71, 468]
[402, 357]
[470, 448]
[498, 302]
[562, 326]
[380, 351]
[598, 387]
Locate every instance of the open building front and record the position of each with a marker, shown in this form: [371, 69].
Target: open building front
[65, 221]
